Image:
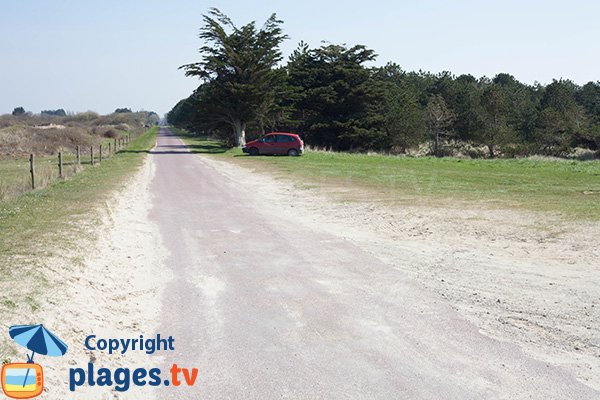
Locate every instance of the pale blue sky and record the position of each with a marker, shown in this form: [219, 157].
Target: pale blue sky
[100, 55]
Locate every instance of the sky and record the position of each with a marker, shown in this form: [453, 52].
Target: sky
[102, 55]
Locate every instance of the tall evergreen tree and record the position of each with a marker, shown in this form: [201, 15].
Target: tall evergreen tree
[336, 100]
[560, 119]
[496, 131]
[403, 121]
[238, 67]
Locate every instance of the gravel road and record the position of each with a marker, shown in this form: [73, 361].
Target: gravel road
[268, 309]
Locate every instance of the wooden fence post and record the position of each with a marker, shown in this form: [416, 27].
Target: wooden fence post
[116, 148]
[100, 153]
[60, 169]
[109, 152]
[92, 154]
[78, 155]
[32, 170]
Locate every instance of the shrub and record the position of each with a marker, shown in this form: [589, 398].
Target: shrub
[111, 133]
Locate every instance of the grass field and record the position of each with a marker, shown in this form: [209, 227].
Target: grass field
[15, 178]
[568, 188]
[42, 226]
[59, 213]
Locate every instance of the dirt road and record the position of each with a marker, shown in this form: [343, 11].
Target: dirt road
[267, 308]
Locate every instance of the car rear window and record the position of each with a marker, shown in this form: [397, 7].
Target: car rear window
[285, 138]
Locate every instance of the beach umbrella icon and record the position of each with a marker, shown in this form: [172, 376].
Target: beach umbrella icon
[39, 340]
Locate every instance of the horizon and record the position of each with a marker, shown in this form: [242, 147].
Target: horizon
[102, 56]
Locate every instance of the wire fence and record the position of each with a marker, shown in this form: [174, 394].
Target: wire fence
[22, 175]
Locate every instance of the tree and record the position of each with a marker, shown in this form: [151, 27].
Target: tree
[122, 110]
[336, 100]
[237, 67]
[463, 96]
[184, 113]
[152, 118]
[438, 118]
[496, 131]
[333, 99]
[403, 116]
[55, 113]
[560, 119]
[522, 103]
[18, 111]
[589, 98]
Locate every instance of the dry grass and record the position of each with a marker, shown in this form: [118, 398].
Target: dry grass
[45, 135]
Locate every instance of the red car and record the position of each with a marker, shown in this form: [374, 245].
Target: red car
[276, 143]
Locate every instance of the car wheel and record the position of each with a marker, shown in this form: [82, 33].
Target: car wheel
[292, 152]
[253, 151]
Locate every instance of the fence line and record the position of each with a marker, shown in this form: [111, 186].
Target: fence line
[113, 149]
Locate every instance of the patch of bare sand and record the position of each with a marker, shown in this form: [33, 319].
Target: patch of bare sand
[527, 278]
[111, 287]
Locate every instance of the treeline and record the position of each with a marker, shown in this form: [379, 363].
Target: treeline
[333, 100]
[20, 111]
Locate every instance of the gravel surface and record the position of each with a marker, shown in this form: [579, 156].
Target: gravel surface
[269, 307]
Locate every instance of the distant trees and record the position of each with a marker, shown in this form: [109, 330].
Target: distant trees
[333, 99]
[184, 113]
[18, 111]
[122, 110]
[54, 113]
[152, 118]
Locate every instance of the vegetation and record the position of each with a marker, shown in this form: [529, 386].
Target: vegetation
[567, 187]
[47, 134]
[238, 73]
[333, 100]
[42, 225]
[18, 111]
[15, 178]
[54, 113]
[57, 214]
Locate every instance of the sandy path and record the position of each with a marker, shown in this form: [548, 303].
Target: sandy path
[270, 301]
[530, 279]
[114, 292]
[288, 292]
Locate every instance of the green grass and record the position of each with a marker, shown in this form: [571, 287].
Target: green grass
[38, 221]
[568, 188]
[15, 178]
[40, 230]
